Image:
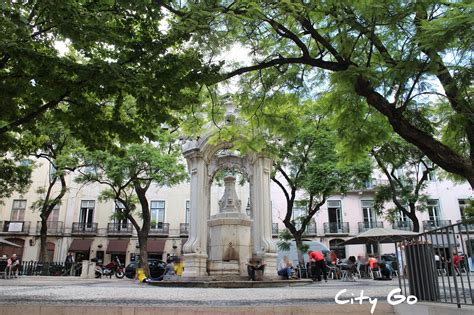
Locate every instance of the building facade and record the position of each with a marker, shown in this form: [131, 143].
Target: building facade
[84, 225]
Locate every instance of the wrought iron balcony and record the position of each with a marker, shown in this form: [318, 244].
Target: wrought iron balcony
[120, 228]
[339, 228]
[364, 226]
[160, 229]
[466, 226]
[15, 227]
[275, 229]
[54, 227]
[84, 228]
[184, 229]
[435, 224]
[403, 225]
[310, 230]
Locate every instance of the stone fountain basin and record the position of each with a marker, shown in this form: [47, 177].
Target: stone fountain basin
[232, 284]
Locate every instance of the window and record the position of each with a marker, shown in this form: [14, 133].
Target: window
[186, 212]
[433, 210]
[339, 249]
[52, 172]
[119, 220]
[26, 162]
[372, 249]
[432, 176]
[86, 216]
[370, 218]
[298, 212]
[157, 214]
[54, 215]
[400, 216]
[18, 210]
[334, 215]
[463, 203]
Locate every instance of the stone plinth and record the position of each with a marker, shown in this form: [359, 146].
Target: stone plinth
[195, 265]
[230, 245]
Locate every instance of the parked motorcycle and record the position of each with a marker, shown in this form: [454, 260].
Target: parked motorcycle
[112, 268]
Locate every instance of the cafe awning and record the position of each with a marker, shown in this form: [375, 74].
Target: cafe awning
[156, 246]
[117, 246]
[79, 245]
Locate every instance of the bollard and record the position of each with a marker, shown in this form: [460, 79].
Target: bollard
[85, 269]
[141, 274]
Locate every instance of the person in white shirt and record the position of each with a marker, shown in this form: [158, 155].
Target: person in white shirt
[285, 267]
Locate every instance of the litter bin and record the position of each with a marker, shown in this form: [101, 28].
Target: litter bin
[422, 273]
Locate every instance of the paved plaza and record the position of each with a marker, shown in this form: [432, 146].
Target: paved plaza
[54, 290]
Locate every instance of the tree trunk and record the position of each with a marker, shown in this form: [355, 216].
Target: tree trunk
[43, 255]
[414, 219]
[143, 244]
[146, 218]
[299, 244]
[436, 151]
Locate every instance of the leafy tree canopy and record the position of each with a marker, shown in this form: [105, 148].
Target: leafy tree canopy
[407, 170]
[401, 58]
[91, 57]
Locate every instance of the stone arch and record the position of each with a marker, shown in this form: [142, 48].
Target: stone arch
[203, 164]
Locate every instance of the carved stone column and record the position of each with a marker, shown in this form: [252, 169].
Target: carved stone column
[263, 244]
[195, 249]
[229, 235]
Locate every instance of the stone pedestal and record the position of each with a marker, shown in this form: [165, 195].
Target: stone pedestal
[270, 260]
[88, 269]
[195, 265]
[230, 245]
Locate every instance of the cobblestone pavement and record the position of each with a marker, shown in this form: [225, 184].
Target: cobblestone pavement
[55, 290]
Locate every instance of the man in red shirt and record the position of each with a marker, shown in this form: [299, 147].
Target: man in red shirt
[318, 265]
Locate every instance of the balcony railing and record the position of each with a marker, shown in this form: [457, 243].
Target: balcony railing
[160, 229]
[434, 224]
[14, 227]
[184, 229]
[84, 228]
[310, 230]
[403, 225]
[369, 185]
[54, 227]
[466, 227]
[120, 228]
[364, 226]
[340, 228]
[275, 229]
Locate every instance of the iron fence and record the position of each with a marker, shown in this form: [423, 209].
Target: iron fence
[122, 228]
[336, 228]
[367, 225]
[38, 268]
[159, 228]
[184, 229]
[437, 265]
[15, 227]
[275, 229]
[84, 228]
[435, 224]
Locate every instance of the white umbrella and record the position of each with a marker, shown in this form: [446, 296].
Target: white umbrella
[380, 236]
[4, 242]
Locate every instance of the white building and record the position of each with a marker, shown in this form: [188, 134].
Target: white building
[82, 224]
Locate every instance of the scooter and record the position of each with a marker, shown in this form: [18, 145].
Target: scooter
[112, 268]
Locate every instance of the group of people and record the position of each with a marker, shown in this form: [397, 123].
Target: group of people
[11, 265]
[319, 264]
[316, 261]
[457, 262]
